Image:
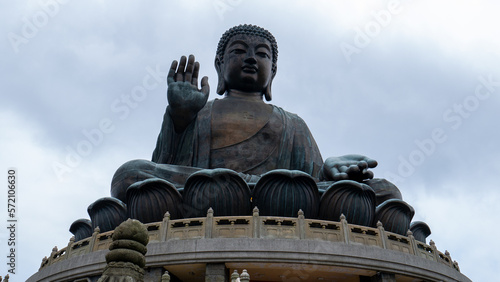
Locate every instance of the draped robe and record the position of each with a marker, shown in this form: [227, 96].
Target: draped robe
[290, 146]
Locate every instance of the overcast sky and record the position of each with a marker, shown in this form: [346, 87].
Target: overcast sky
[412, 84]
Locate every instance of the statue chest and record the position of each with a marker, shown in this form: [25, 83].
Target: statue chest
[233, 122]
[249, 145]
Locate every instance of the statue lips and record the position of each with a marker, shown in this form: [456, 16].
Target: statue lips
[249, 69]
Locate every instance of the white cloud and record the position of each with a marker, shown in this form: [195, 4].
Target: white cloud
[393, 92]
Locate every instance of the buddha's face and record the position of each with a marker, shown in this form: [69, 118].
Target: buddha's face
[247, 63]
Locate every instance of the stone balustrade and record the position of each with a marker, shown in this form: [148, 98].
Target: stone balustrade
[264, 227]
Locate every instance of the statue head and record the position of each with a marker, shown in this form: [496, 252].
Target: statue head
[247, 33]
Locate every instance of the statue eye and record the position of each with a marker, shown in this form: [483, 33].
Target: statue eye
[238, 51]
[263, 54]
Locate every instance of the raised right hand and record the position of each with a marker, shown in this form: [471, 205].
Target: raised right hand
[184, 98]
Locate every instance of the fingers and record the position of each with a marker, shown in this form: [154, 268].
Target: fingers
[189, 70]
[205, 88]
[186, 70]
[371, 163]
[368, 174]
[171, 72]
[338, 173]
[362, 164]
[194, 79]
[340, 176]
[180, 71]
[353, 169]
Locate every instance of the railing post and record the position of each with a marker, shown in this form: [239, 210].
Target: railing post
[209, 223]
[381, 232]
[235, 276]
[345, 228]
[447, 254]
[51, 258]
[164, 227]
[165, 277]
[434, 250]
[244, 277]
[69, 247]
[93, 239]
[302, 231]
[43, 263]
[256, 223]
[413, 242]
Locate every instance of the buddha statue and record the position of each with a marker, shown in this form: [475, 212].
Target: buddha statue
[240, 132]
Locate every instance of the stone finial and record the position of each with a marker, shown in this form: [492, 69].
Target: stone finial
[244, 277]
[165, 277]
[342, 217]
[166, 216]
[255, 211]
[97, 230]
[72, 239]
[210, 212]
[432, 243]
[126, 259]
[379, 224]
[235, 276]
[409, 233]
[300, 213]
[54, 250]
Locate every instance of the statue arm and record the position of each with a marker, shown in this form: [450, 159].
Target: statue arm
[305, 153]
[185, 100]
[172, 147]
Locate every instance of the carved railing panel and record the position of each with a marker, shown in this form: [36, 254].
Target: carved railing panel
[323, 230]
[186, 229]
[364, 235]
[233, 227]
[399, 243]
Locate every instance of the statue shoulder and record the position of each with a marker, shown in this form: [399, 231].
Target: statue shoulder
[292, 117]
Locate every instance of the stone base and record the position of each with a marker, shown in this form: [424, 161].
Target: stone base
[125, 271]
[266, 260]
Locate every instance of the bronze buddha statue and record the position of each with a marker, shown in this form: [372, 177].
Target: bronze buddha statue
[239, 132]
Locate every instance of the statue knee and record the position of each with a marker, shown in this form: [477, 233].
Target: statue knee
[128, 174]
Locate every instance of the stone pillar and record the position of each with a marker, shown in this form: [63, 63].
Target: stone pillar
[256, 223]
[302, 228]
[216, 272]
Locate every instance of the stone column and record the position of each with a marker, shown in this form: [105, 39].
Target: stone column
[216, 272]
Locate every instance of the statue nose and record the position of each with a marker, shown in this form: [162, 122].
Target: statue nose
[250, 58]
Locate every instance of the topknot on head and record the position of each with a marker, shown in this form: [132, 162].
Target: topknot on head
[247, 29]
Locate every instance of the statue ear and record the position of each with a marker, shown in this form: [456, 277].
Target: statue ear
[221, 85]
[267, 90]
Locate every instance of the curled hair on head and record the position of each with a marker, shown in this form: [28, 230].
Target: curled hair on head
[246, 29]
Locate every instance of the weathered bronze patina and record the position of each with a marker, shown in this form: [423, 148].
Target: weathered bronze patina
[240, 131]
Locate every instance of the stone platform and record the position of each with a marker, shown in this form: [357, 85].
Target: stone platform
[269, 248]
